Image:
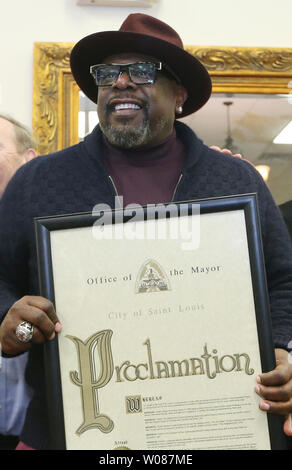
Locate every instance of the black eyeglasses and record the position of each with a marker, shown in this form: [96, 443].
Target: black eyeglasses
[140, 73]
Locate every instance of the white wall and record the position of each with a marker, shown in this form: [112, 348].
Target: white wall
[214, 22]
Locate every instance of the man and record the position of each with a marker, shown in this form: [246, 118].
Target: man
[142, 80]
[16, 148]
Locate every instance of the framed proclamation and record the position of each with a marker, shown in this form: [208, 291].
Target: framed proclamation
[165, 327]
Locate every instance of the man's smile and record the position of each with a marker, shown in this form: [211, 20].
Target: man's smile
[125, 107]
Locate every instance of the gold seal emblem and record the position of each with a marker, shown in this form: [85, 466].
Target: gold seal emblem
[151, 278]
[121, 448]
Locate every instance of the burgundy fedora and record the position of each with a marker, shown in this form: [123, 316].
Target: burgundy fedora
[142, 34]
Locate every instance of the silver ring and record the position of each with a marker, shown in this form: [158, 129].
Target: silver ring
[24, 331]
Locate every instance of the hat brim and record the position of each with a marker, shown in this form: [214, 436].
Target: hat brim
[93, 49]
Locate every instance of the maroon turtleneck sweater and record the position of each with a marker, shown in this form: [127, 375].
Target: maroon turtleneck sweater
[145, 176]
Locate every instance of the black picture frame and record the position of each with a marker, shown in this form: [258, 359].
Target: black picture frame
[248, 203]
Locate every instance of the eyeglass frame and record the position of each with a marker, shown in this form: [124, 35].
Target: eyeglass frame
[158, 66]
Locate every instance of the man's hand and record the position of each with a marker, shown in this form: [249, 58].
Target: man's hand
[36, 310]
[275, 388]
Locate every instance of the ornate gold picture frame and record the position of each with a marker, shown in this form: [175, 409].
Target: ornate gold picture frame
[233, 70]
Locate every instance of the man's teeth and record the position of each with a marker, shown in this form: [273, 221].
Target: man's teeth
[126, 106]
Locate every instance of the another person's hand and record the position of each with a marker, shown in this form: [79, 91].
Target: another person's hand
[38, 311]
[275, 388]
[226, 151]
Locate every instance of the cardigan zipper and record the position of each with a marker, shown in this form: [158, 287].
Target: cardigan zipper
[176, 187]
[115, 190]
[118, 197]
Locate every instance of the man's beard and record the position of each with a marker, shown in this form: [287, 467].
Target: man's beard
[127, 137]
[130, 137]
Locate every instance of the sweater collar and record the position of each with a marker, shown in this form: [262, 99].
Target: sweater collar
[143, 157]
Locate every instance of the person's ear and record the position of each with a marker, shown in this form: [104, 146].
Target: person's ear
[29, 154]
[182, 96]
